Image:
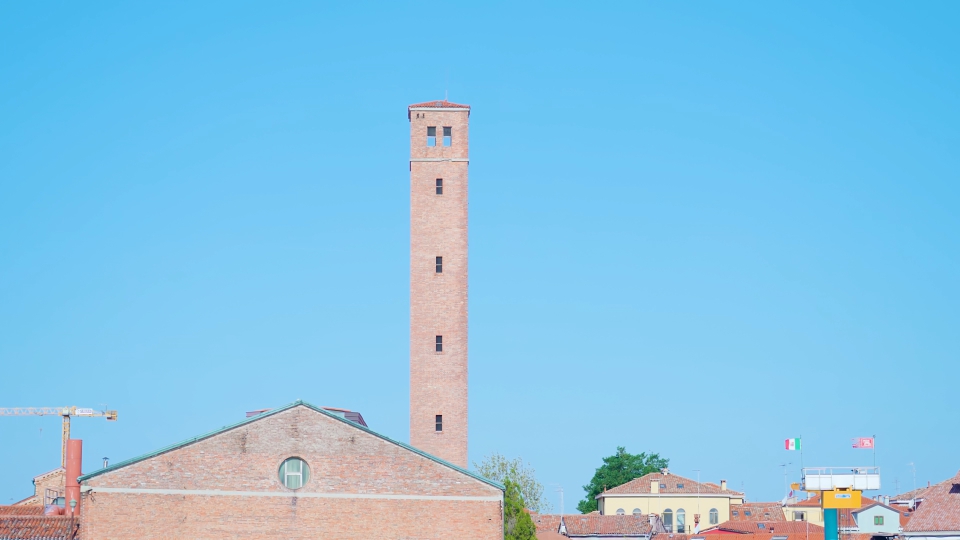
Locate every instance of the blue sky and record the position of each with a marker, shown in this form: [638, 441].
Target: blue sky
[696, 229]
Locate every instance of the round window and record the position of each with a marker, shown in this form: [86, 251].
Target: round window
[294, 473]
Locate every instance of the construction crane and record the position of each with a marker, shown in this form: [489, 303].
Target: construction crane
[66, 413]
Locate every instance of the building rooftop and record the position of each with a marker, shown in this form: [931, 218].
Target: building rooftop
[594, 524]
[768, 527]
[438, 104]
[757, 511]
[39, 527]
[940, 510]
[271, 412]
[21, 510]
[669, 484]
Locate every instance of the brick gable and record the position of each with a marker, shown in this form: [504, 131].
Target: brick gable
[225, 484]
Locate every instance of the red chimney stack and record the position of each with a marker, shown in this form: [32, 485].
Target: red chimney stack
[74, 467]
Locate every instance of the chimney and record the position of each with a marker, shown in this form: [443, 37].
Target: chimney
[74, 467]
[723, 485]
[655, 486]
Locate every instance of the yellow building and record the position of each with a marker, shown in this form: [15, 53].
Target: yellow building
[805, 510]
[680, 502]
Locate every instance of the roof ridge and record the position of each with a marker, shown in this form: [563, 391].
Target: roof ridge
[272, 412]
[438, 104]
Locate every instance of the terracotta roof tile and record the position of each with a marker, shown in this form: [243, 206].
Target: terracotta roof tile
[758, 511]
[438, 104]
[775, 528]
[21, 510]
[812, 535]
[594, 524]
[546, 522]
[670, 483]
[39, 527]
[812, 502]
[918, 493]
[940, 510]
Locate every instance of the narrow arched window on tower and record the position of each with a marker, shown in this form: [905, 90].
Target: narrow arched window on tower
[447, 135]
[439, 186]
[439, 343]
[432, 136]
[439, 422]
[439, 265]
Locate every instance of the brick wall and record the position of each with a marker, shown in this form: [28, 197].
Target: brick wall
[361, 486]
[438, 302]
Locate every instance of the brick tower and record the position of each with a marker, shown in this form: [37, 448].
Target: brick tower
[438, 279]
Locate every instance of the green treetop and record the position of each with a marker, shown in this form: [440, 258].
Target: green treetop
[517, 524]
[617, 470]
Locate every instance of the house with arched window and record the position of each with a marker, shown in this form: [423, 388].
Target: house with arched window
[684, 505]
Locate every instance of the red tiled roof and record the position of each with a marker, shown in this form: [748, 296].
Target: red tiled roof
[759, 511]
[546, 522]
[21, 510]
[769, 527]
[550, 535]
[438, 104]
[39, 527]
[812, 535]
[917, 493]
[671, 481]
[594, 524]
[904, 517]
[940, 510]
[813, 502]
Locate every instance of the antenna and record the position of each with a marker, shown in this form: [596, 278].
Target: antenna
[785, 491]
[914, 467]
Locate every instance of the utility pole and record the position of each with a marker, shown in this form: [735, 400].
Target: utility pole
[696, 517]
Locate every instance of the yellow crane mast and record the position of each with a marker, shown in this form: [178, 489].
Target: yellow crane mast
[66, 413]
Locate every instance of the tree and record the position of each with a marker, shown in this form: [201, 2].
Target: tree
[617, 470]
[498, 468]
[517, 524]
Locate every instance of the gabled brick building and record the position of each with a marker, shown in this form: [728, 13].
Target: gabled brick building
[46, 487]
[294, 472]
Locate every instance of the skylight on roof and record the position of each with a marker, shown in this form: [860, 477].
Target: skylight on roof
[746, 512]
[679, 486]
[761, 525]
[778, 538]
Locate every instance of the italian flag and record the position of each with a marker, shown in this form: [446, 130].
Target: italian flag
[792, 444]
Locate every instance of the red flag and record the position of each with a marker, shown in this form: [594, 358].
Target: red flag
[863, 442]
